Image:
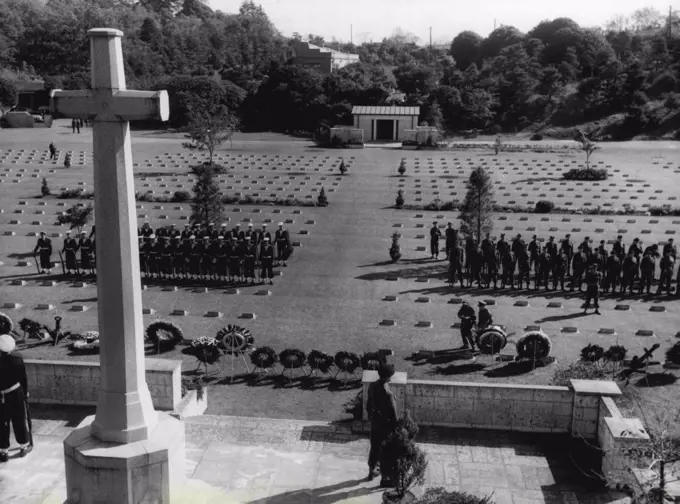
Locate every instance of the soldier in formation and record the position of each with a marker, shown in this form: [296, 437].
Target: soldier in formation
[44, 250]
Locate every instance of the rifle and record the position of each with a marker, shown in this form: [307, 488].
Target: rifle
[37, 264]
[29, 422]
[63, 268]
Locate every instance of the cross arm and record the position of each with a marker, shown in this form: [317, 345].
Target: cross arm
[121, 105]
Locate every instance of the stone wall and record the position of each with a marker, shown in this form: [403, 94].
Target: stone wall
[77, 382]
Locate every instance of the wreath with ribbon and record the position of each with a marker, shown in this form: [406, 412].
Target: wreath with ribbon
[164, 333]
[533, 345]
[235, 339]
[492, 341]
[6, 324]
[370, 360]
[347, 361]
[292, 358]
[615, 353]
[673, 354]
[319, 360]
[263, 357]
[592, 353]
[87, 342]
[206, 349]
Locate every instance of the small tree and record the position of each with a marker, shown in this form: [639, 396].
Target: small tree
[476, 211]
[207, 133]
[402, 167]
[497, 145]
[8, 93]
[322, 200]
[207, 204]
[342, 167]
[587, 146]
[400, 199]
[76, 217]
[45, 189]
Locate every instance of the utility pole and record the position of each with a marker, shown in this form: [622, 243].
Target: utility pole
[351, 34]
[670, 22]
[494, 24]
[430, 38]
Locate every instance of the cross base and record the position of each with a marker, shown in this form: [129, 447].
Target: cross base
[142, 471]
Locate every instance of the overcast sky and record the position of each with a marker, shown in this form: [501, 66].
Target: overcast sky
[375, 19]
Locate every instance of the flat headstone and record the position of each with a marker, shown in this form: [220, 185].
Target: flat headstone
[390, 298]
[24, 263]
[423, 280]
[179, 313]
[570, 329]
[263, 292]
[490, 302]
[248, 315]
[391, 278]
[201, 290]
[79, 284]
[522, 303]
[48, 283]
[388, 322]
[12, 306]
[423, 299]
[78, 308]
[170, 288]
[455, 301]
[148, 311]
[657, 308]
[421, 249]
[18, 282]
[644, 332]
[608, 331]
[622, 307]
[213, 314]
[532, 328]
[424, 323]
[554, 304]
[9, 233]
[44, 307]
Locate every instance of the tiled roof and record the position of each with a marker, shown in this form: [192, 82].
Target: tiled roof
[371, 110]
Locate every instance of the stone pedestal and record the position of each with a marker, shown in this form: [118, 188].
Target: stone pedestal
[99, 472]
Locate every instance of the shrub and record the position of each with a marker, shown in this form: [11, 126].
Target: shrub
[536, 137]
[70, 193]
[322, 200]
[402, 167]
[400, 199]
[200, 169]
[441, 496]
[401, 460]
[579, 370]
[342, 167]
[544, 206]
[181, 196]
[592, 353]
[44, 188]
[586, 174]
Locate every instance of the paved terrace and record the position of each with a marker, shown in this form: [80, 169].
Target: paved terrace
[279, 461]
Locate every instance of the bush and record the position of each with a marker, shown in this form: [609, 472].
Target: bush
[579, 370]
[401, 460]
[544, 206]
[536, 137]
[45, 189]
[322, 200]
[70, 193]
[400, 199]
[587, 174]
[441, 496]
[181, 196]
[672, 101]
[342, 167]
[402, 168]
[200, 169]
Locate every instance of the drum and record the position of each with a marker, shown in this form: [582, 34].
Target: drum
[492, 340]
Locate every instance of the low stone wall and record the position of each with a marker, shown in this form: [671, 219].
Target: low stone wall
[77, 382]
[527, 408]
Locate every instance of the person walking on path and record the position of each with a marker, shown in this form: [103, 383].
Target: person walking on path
[13, 395]
[53, 151]
[381, 407]
[593, 280]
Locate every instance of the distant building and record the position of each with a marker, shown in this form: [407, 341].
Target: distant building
[32, 95]
[324, 59]
[385, 123]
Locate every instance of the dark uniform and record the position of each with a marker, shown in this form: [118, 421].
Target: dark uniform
[613, 272]
[467, 316]
[435, 234]
[86, 252]
[451, 239]
[156, 266]
[221, 258]
[249, 260]
[186, 234]
[629, 268]
[267, 261]
[545, 268]
[176, 260]
[534, 252]
[234, 260]
[13, 394]
[578, 268]
[187, 255]
[667, 263]
[484, 317]
[567, 247]
[593, 279]
[647, 270]
[551, 247]
[44, 250]
[165, 262]
[69, 251]
[146, 231]
[381, 408]
[282, 245]
[619, 248]
[586, 248]
[670, 249]
[559, 270]
[636, 249]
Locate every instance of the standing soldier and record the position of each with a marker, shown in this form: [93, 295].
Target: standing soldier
[195, 257]
[202, 257]
[211, 232]
[546, 266]
[647, 270]
[456, 264]
[13, 397]
[241, 249]
[534, 253]
[484, 318]
[619, 248]
[629, 268]
[224, 232]
[267, 261]
[613, 272]
[175, 251]
[142, 257]
[567, 247]
[44, 250]
[249, 260]
[236, 233]
[187, 255]
[262, 234]
[146, 230]
[667, 263]
[156, 263]
[221, 259]
[86, 252]
[451, 239]
[559, 270]
[382, 412]
[73, 125]
[250, 233]
[211, 258]
[518, 246]
[593, 279]
[579, 264]
[282, 244]
[161, 232]
[166, 258]
[234, 261]
[69, 251]
[467, 317]
[670, 249]
[551, 247]
[435, 234]
[636, 249]
[586, 248]
[186, 234]
[470, 253]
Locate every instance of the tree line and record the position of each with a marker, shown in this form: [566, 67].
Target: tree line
[557, 74]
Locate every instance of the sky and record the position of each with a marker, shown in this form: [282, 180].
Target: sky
[376, 19]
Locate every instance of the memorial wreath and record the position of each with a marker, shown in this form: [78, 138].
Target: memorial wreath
[206, 349]
[87, 342]
[164, 333]
[292, 358]
[592, 353]
[370, 361]
[263, 357]
[319, 360]
[673, 354]
[235, 339]
[492, 341]
[533, 345]
[6, 324]
[347, 361]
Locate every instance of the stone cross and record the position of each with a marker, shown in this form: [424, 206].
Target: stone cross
[125, 413]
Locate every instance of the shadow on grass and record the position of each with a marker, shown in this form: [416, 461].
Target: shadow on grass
[452, 370]
[439, 272]
[656, 380]
[512, 369]
[20, 255]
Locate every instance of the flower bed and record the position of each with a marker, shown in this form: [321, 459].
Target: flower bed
[587, 174]
[547, 148]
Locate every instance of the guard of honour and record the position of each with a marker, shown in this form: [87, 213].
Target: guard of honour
[197, 252]
[514, 263]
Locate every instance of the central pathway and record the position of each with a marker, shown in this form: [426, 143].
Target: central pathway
[269, 461]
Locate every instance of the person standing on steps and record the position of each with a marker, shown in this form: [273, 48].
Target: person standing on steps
[593, 280]
[381, 408]
[435, 234]
[13, 396]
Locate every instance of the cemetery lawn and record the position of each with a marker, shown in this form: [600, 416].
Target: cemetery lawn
[331, 297]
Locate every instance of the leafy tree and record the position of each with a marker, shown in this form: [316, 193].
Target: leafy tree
[499, 39]
[207, 204]
[8, 93]
[76, 217]
[207, 133]
[465, 48]
[416, 79]
[476, 211]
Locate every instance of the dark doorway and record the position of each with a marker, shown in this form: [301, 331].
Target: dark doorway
[384, 129]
